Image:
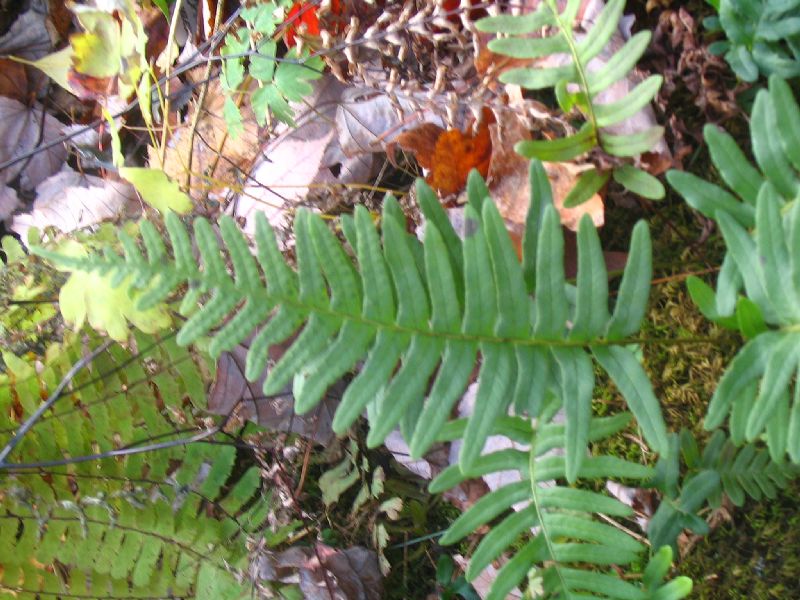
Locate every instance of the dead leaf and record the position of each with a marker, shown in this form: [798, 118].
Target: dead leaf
[508, 179]
[8, 202]
[686, 62]
[28, 36]
[70, 201]
[23, 130]
[231, 392]
[339, 130]
[324, 573]
[13, 80]
[450, 155]
[483, 582]
[219, 162]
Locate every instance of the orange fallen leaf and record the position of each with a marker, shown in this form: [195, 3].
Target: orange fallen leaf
[450, 154]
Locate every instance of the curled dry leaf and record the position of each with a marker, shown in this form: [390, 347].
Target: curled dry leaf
[324, 573]
[70, 201]
[450, 154]
[22, 131]
[685, 61]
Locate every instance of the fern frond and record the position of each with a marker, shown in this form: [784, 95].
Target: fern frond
[154, 522]
[726, 466]
[761, 229]
[554, 521]
[581, 81]
[762, 37]
[465, 299]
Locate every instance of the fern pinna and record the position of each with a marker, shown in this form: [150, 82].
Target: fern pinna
[582, 82]
[758, 288]
[152, 524]
[420, 316]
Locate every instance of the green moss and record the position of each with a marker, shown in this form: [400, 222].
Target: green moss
[756, 556]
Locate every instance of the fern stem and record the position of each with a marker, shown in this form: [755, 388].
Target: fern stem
[540, 514]
[31, 421]
[566, 30]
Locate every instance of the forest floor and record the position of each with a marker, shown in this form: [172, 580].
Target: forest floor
[752, 552]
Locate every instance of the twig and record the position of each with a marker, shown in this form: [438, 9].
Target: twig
[173, 25]
[31, 421]
[200, 101]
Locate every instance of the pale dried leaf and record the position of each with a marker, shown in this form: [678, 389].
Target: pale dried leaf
[483, 582]
[508, 178]
[219, 162]
[323, 573]
[70, 201]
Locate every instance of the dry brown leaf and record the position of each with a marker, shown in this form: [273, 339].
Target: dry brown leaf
[219, 162]
[13, 80]
[24, 130]
[508, 179]
[324, 573]
[8, 202]
[339, 130]
[231, 393]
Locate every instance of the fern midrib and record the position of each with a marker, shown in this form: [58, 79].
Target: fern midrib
[542, 521]
[307, 309]
[566, 32]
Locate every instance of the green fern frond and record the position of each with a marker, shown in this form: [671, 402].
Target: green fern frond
[726, 466]
[432, 318]
[761, 229]
[555, 522]
[762, 37]
[154, 522]
[579, 83]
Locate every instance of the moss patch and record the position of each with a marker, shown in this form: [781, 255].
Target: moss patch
[754, 557]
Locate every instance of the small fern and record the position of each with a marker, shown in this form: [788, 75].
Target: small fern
[763, 37]
[160, 523]
[566, 537]
[579, 84]
[761, 228]
[252, 51]
[726, 466]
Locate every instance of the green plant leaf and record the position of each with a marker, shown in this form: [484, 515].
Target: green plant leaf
[639, 182]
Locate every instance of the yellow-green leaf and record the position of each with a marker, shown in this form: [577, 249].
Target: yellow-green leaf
[158, 190]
